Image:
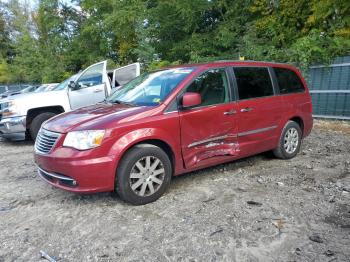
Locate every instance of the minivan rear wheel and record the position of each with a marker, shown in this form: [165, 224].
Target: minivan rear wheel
[290, 141]
[143, 175]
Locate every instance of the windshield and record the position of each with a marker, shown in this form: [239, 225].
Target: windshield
[63, 85]
[150, 89]
[28, 89]
[40, 89]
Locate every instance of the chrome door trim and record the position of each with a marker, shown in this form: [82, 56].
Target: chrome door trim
[209, 140]
[255, 131]
[250, 132]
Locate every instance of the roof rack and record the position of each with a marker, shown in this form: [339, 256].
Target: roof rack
[225, 61]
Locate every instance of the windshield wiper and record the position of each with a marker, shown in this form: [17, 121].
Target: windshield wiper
[123, 102]
[105, 101]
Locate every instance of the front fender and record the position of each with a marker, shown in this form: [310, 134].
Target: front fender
[134, 137]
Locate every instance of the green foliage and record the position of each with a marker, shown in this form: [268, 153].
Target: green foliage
[5, 76]
[58, 39]
[5, 43]
[299, 32]
[155, 65]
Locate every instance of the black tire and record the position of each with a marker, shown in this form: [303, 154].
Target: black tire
[281, 151]
[27, 136]
[37, 122]
[123, 184]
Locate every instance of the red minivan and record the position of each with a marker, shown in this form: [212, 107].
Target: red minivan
[173, 121]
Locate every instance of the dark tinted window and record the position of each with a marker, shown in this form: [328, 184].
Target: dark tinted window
[253, 82]
[212, 86]
[288, 81]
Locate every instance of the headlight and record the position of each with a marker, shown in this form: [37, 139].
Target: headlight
[83, 140]
[9, 108]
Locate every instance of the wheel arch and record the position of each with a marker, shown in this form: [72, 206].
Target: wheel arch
[155, 142]
[299, 121]
[32, 113]
[153, 136]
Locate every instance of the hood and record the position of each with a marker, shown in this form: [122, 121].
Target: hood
[12, 93]
[33, 95]
[99, 116]
[29, 101]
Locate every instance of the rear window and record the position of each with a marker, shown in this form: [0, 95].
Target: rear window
[288, 81]
[253, 82]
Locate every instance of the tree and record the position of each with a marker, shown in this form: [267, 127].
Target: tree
[24, 61]
[298, 31]
[57, 39]
[5, 43]
[5, 76]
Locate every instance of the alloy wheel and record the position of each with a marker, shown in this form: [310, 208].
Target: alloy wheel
[147, 176]
[291, 140]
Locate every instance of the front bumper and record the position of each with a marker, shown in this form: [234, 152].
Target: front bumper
[12, 126]
[87, 174]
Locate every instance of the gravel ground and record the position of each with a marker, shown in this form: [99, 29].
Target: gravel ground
[255, 209]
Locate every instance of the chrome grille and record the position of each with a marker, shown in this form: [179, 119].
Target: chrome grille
[45, 141]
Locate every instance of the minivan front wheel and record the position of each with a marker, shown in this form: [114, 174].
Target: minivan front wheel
[143, 175]
[290, 141]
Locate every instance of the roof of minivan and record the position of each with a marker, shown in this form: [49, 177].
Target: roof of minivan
[235, 63]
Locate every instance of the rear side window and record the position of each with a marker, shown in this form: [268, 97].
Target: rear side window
[288, 81]
[253, 82]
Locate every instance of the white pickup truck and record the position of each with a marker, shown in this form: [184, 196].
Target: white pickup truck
[21, 116]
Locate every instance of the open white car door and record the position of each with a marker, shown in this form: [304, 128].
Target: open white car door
[124, 74]
[91, 86]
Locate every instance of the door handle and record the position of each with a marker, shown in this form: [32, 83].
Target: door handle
[247, 109]
[231, 112]
[97, 90]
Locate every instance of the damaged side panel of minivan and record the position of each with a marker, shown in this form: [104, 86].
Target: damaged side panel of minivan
[222, 146]
[217, 136]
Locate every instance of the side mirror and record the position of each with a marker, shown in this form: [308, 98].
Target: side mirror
[73, 86]
[191, 99]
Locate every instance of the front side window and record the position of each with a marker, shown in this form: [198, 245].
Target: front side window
[288, 81]
[63, 85]
[212, 86]
[150, 89]
[91, 77]
[253, 82]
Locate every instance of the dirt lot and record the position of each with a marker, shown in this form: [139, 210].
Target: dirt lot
[256, 209]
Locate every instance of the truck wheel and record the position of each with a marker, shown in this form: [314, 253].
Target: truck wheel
[143, 175]
[290, 141]
[37, 122]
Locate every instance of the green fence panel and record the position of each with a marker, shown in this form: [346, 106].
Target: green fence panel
[330, 89]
